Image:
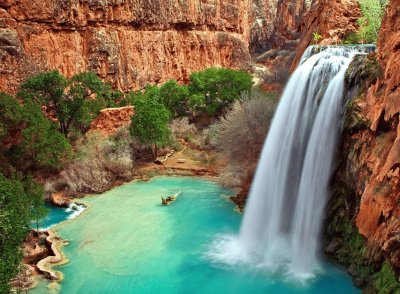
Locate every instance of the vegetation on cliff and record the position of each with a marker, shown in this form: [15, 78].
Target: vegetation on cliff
[372, 261]
[73, 102]
[21, 200]
[369, 24]
[364, 260]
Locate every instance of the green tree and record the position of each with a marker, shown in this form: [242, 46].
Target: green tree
[36, 193]
[18, 208]
[114, 98]
[10, 114]
[74, 102]
[174, 97]
[372, 12]
[214, 89]
[42, 143]
[150, 123]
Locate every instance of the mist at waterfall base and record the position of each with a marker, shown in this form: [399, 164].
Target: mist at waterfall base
[281, 228]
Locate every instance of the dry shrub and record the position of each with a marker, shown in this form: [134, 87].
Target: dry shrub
[99, 163]
[181, 128]
[231, 176]
[240, 134]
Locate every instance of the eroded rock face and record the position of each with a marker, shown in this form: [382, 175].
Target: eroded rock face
[287, 26]
[110, 120]
[129, 43]
[262, 23]
[331, 19]
[378, 217]
[373, 160]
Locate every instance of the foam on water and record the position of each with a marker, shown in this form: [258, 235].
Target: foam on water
[57, 215]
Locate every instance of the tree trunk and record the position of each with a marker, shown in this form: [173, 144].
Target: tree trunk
[155, 151]
[64, 130]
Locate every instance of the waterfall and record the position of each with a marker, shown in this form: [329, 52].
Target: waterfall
[283, 218]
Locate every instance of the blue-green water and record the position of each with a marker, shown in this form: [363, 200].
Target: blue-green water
[57, 215]
[126, 242]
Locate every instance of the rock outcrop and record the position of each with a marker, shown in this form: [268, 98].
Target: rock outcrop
[287, 24]
[262, 24]
[110, 120]
[128, 43]
[379, 145]
[327, 22]
[367, 183]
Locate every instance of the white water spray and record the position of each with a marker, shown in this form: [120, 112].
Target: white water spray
[284, 213]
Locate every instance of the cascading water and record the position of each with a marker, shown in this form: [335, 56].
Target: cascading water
[284, 212]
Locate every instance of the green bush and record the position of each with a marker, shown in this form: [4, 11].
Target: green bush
[21, 201]
[10, 114]
[372, 12]
[316, 37]
[214, 89]
[386, 281]
[150, 122]
[351, 38]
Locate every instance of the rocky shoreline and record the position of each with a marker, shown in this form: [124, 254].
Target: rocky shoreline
[41, 250]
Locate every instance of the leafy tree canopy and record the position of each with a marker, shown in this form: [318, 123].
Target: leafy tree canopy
[174, 97]
[150, 122]
[74, 102]
[21, 201]
[43, 146]
[372, 12]
[10, 114]
[213, 89]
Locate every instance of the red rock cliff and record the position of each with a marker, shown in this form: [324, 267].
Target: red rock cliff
[110, 120]
[331, 19]
[129, 43]
[378, 146]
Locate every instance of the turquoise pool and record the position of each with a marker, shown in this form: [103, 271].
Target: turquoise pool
[127, 242]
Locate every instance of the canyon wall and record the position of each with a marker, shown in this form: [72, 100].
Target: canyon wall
[287, 24]
[128, 42]
[366, 184]
[327, 22]
[378, 146]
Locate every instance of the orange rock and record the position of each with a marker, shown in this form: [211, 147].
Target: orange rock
[128, 43]
[332, 19]
[111, 119]
[378, 152]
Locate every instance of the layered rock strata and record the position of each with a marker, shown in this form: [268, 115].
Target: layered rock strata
[128, 43]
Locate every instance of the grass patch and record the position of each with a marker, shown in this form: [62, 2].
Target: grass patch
[386, 281]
